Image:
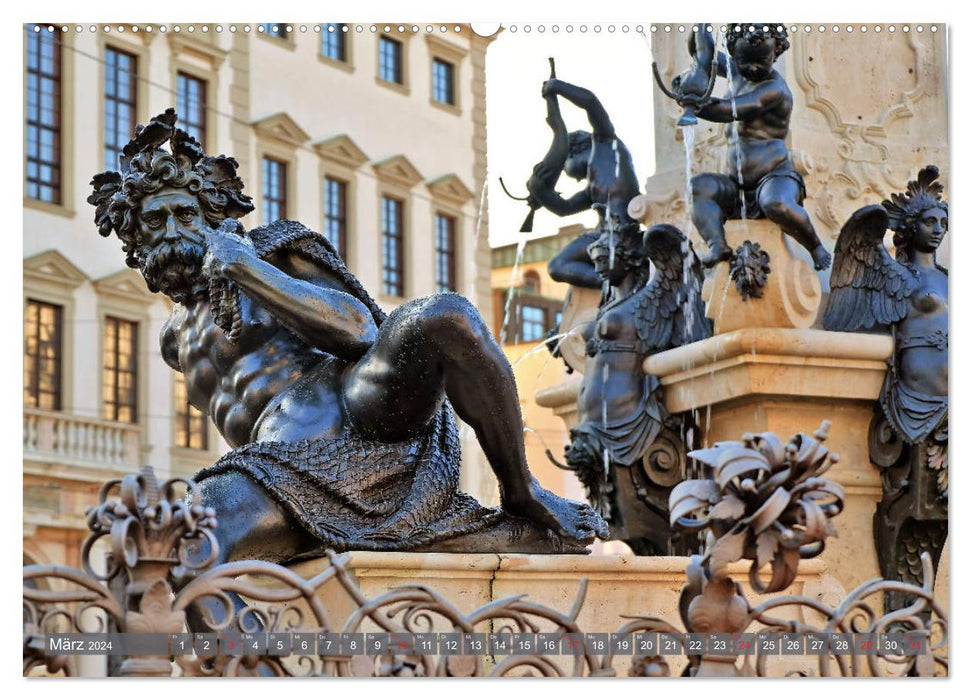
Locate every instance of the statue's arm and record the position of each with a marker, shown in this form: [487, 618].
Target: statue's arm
[749, 106]
[554, 202]
[587, 101]
[554, 118]
[324, 316]
[547, 171]
[573, 266]
[722, 64]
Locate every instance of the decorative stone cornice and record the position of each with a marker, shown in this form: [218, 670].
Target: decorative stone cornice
[52, 267]
[125, 284]
[341, 150]
[398, 170]
[282, 127]
[202, 47]
[449, 188]
[446, 49]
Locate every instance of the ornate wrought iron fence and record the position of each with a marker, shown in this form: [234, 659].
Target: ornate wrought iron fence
[758, 486]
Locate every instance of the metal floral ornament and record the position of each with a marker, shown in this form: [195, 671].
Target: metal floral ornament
[151, 528]
[765, 502]
[150, 525]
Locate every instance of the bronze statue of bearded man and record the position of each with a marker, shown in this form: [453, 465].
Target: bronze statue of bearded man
[341, 418]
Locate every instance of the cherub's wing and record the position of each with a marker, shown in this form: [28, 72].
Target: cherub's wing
[867, 287]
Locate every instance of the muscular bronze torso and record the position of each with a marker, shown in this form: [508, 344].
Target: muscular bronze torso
[269, 384]
[252, 387]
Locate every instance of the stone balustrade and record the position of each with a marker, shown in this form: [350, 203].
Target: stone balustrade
[71, 439]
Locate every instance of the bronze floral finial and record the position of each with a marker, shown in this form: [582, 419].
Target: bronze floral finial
[765, 502]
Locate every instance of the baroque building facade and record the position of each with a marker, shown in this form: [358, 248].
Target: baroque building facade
[372, 134]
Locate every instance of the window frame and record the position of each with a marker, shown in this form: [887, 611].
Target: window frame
[450, 91]
[401, 237]
[136, 373]
[284, 40]
[339, 158]
[267, 30]
[65, 207]
[181, 74]
[342, 219]
[265, 198]
[58, 343]
[451, 253]
[398, 73]
[198, 56]
[185, 415]
[134, 86]
[522, 308]
[344, 43]
[454, 54]
[402, 41]
[51, 278]
[523, 298]
[58, 127]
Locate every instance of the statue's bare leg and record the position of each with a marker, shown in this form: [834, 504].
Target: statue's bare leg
[250, 524]
[714, 199]
[779, 200]
[440, 346]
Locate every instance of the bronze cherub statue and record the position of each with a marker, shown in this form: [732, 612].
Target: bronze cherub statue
[599, 157]
[760, 102]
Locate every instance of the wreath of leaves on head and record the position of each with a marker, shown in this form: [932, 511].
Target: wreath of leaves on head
[146, 167]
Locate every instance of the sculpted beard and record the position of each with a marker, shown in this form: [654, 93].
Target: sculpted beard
[175, 269]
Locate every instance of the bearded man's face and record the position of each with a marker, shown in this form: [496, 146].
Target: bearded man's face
[171, 243]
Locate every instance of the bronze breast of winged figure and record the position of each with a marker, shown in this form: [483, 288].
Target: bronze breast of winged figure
[626, 448]
[340, 416]
[906, 296]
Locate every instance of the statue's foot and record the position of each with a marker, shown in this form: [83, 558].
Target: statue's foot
[510, 535]
[570, 519]
[716, 253]
[821, 257]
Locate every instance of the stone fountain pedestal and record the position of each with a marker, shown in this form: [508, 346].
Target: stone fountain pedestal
[790, 297]
[618, 586]
[787, 381]
[766, 369]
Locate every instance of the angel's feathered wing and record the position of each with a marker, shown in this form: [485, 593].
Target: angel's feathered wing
[670, 312]
[867, 287]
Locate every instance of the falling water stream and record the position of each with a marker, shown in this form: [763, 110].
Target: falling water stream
[605, 375]
[542, 345]
[520, 248]
[688, 132]
[733, 143]
[733, 137]
[473, 270]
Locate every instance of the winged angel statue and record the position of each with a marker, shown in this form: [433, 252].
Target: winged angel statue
[906, 296]
[626, 448]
